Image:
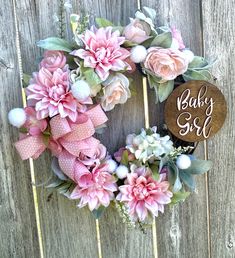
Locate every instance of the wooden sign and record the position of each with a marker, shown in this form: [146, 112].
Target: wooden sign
[195, 111]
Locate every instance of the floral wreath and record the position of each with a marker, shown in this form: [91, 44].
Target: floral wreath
[66, 100]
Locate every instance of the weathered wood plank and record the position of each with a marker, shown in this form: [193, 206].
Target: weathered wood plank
[219, 39]
[181, 231]
[18, 230]
[66, 230]
[116, 239]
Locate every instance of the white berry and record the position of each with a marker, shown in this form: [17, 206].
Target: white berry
[17, 117]
[112, 165]
[81, 90]
[183, 161]
[138, 54]
[122, 171]
[189, 55]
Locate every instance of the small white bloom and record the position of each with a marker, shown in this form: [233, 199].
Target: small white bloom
[81, 90]
[189, 55]
[112, 165]
[183, 161]
[138, 54]
[122, 171]
[17, 117]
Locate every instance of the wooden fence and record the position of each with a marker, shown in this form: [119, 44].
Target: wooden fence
[32, 225]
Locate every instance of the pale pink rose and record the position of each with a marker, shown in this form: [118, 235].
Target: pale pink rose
[118, 155]
[116, 91]
[50, 94]
[137, 31]
[99, 155]
[53, 60]
[176, 36]
[34, 126]
[103, 52]
[166, 63]
[95, 188]
[143, 195]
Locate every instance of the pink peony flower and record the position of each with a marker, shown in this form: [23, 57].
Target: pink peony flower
[50, 94]
[119, 153]
[103, 52]
[166, 63]
[137, 31]
[177, 38]
[53, 60]
[95, 188]
[100, 155]
[34, 126]
[143, 195]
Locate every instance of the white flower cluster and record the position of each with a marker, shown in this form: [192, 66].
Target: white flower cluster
[148, 144]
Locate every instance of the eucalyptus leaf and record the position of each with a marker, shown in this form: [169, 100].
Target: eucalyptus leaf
[191, 74]
[151, 13]
[26, 80]
[54, 43]
[128, 43]
[179, 197]
[124, 159]
[173, 177]
[140, 15]
[98, 212]
[199, 167]
[155, 170]
[101, 22]
[187, 179]
[91, 77]
[198, 62]
[163, 40]
[165, 89]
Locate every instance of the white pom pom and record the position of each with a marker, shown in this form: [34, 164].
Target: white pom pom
[111, 164]
[122, 171]
[138, 54]
[189, 55]
[183, 161]
[81, 90]
[17, 117]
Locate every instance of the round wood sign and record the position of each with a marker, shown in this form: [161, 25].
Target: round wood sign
[195, 111]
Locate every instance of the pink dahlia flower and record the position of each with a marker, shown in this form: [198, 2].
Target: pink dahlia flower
[142, 194]
[34, 126]
[50, 94]
[103, 52]
[53, 60]
[95, 188]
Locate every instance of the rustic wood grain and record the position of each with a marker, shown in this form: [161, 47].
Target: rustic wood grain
[18, 230]
[219, 40]
[66, 230]
[181, 231]
[116, 239]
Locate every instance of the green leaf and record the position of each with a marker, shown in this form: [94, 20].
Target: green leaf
[151, 13]
[198, 62]
[163, 40]
[197, 75]
[173, 177]
[26, 79]
[179, 197]
[101, 22]
[199, 166]
[155, 170]
[23, 130]
[91, 77]
[165, 89]
[98, 213]
[128, 43]
[187, 179]
[124, 159]
[54, 43]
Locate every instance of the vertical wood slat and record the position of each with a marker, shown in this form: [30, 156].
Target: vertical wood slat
[181, 231]
[66, 230]
[219, 40]
[18, 229]
[116, 239]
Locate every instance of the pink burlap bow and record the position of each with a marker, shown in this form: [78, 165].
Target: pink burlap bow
[71, 140]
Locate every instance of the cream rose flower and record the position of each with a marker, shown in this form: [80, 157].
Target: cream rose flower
[116, 91]
[166, 63]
